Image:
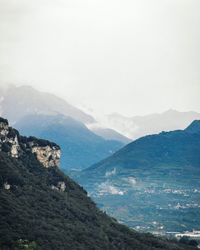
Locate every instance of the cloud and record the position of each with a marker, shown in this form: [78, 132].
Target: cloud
[124, 56]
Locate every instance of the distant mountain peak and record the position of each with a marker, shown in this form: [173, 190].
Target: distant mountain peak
[137, 126]
[28, 100]
[171, 111]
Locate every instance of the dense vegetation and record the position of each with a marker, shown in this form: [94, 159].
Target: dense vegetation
[33, 216]
[177, 148]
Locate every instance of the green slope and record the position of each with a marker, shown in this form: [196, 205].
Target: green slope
[30, 210]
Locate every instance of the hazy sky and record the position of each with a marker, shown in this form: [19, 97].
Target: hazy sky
[126, 56]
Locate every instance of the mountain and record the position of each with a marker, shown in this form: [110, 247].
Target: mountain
[152, 183]
[41, 208]
[42, 114]
[81, 147]
[180, 148]
[110, 134]
[138, 126]
[194, 127]
[27, 101]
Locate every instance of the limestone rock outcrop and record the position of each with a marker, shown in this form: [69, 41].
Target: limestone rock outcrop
[48, 156]
[47, 153]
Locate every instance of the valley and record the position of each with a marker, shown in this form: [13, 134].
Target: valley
[157, 205]
[152, 184]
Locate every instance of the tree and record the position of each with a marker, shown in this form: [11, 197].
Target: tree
[25, 245]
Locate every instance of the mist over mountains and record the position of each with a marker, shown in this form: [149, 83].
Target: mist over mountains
[83, 138]
[17, 102]
[150, 184]
[138, 126]
[50, 117]
[80, 147]
[99, 125]
[29, 101]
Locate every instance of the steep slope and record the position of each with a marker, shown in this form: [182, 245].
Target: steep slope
[41, 207]
[180, 148]
[152, 183]
[27, 100]
[138, 126]
[194, 127]
[110, 134]
[80, 146]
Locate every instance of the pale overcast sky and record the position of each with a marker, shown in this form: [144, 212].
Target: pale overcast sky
[126, 56]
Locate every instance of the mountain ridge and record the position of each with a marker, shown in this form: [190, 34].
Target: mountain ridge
[164, 135]
[194, 127]
[41, 208]
[28, 100]
[152, 183]
[110, 134]
[80, 146]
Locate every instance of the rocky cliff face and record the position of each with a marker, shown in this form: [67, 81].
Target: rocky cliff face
[47, 153]
[48, 156]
